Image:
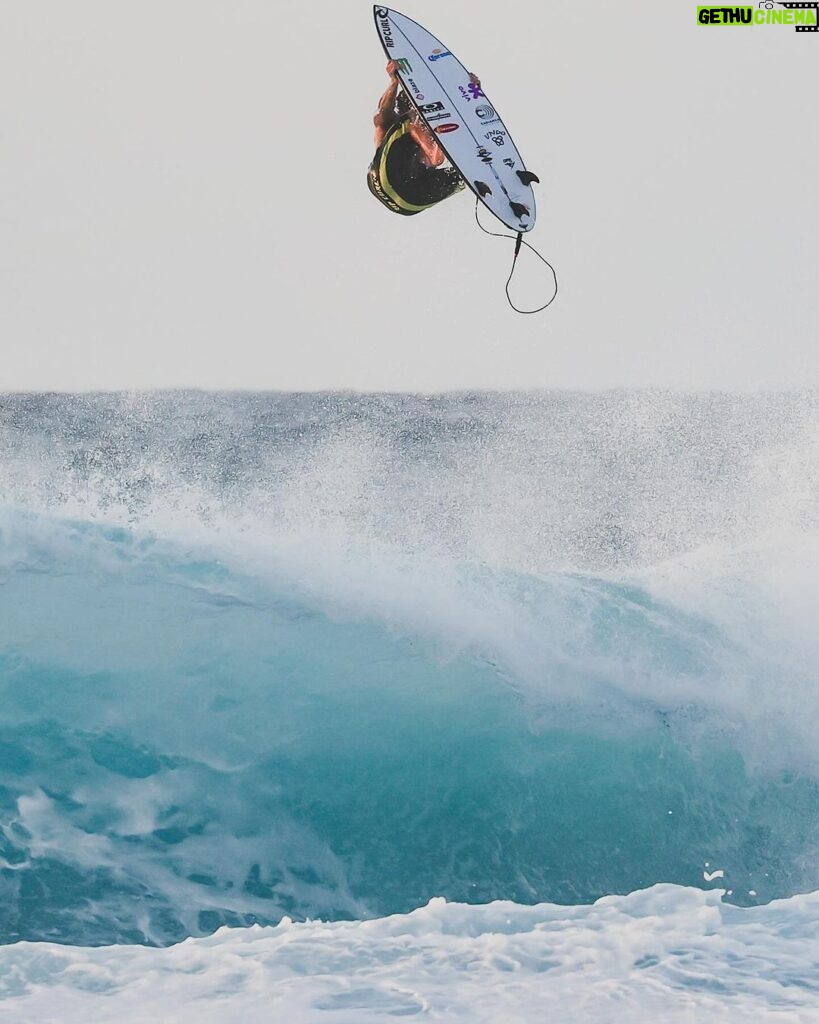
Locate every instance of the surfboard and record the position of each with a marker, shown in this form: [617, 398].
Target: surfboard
[466, 125]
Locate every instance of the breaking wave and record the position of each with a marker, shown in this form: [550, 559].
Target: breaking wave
[328, 656]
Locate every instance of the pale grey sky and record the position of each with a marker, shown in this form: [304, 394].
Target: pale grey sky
[182, 200]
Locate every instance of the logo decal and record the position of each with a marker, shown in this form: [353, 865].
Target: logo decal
[442, 129]
[386, 28]
[471, 92]
[438, 54]
[405, 65]
[430, 108]
[804, 16]
[438, 117]
[416, 91]
[496, 136]
[487, 114]
[509, 161]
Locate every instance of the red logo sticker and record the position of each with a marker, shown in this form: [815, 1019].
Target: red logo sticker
[442, 129]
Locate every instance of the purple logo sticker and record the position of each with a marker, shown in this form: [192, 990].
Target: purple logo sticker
[471, 92]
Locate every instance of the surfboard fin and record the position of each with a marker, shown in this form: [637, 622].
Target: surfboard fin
[527, 177]
[482, 189]
[519, 209]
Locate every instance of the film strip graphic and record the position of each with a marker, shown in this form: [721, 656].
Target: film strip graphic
[814, 6]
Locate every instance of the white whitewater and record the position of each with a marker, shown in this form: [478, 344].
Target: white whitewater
[666, 954]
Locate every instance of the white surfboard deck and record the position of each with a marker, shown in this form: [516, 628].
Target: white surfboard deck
[466, 125]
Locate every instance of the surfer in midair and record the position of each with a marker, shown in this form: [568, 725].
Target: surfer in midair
[408, 172]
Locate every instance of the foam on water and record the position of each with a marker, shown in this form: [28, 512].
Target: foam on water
[670, 954]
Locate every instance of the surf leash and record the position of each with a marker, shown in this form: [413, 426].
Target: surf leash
[519, 242]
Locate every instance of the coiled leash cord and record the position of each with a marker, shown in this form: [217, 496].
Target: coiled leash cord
[518, 243]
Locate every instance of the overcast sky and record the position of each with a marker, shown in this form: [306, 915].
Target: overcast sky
[183, 200]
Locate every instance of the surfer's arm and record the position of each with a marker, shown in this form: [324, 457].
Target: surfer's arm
[385, 116]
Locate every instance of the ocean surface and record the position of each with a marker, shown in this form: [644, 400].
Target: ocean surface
[466, 707]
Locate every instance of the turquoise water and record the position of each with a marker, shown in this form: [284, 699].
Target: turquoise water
[215, 713]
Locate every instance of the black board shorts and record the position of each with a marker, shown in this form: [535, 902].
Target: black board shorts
[400, 178]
